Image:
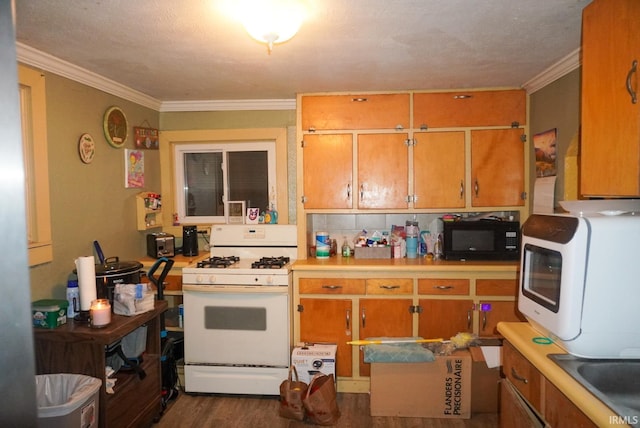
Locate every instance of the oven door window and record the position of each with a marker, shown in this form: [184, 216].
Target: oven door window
[236, 328]
[541, 276]
[235, 318]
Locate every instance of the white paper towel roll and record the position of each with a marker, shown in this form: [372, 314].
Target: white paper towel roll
[86, 268]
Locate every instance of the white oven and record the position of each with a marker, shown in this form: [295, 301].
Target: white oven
[237, 311]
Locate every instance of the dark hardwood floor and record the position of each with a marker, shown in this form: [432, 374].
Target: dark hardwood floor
[235, 411]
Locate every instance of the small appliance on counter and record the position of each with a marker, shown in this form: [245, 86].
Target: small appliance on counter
[189, 241]
[579, 278]
[160, 244]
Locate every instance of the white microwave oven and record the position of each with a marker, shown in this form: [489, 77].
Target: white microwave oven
[580, 282]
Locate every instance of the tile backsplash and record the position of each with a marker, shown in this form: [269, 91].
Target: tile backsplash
[340, 226]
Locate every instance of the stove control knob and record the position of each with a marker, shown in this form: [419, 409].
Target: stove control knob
[212, 279]
[270, 280]
[199, 279]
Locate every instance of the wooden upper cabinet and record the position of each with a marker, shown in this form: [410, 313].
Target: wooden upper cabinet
[335, 112]
[383, 165]
[469, 108]
[610, 146]
[327, 171]
[439, 169]
[497, 167]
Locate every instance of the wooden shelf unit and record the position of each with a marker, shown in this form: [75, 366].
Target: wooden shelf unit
[78, 348]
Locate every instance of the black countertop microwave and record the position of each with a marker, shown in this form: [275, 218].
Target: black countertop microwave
[485, 239]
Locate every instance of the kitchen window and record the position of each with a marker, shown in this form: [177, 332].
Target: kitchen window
[210, 175]
[34, 141]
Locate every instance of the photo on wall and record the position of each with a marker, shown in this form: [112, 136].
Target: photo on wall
[545, 148]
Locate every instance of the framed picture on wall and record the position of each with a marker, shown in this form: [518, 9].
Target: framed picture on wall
[134, 168]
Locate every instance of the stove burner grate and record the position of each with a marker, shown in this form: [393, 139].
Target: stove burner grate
[270, 263]
[218, 262]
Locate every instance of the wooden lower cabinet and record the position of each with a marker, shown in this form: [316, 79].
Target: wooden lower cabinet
[497, 311]
[444, 318]
[528, 399]
[341, 306]
[383, 318]
[329, 320]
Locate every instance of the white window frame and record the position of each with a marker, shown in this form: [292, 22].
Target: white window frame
[181, 149]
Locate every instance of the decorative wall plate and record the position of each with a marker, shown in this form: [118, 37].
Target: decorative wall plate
[86, 148]
[115, 127]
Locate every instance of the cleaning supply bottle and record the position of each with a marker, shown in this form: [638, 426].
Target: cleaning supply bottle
[73, 297]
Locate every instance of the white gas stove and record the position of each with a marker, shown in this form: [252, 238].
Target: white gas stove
[237, 311]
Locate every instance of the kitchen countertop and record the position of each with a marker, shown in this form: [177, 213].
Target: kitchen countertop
[520, 335]
[179, 260]
[420, 264]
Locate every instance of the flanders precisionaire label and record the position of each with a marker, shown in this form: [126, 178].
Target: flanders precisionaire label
[453, 388]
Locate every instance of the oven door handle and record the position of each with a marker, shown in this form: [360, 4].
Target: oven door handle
[235, 289]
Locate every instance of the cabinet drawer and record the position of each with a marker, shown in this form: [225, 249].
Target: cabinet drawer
[382, 111]
[331, 286]
[390, 286]
[173, 282]
[480, 108]
[496, 287]
[443, 286]
[522, 374]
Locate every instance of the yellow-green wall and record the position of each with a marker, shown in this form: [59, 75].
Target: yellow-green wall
[90, 202]
[557, 105]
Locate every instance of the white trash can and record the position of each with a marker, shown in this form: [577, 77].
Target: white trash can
[67, 400]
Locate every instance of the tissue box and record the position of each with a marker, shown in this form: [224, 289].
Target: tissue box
[372, 252]
[49, 313]
[312, 359]
[439, 389]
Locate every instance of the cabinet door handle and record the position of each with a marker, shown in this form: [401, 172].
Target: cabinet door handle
[476, 188]
[484, 320]
[634, 67]
[348, 320]
[361, 191]
[444, 287]
[389, 287]
[516, 376]
[469, 318]
[364, 318]
[349, 191]
[332, 287]
[461, 189]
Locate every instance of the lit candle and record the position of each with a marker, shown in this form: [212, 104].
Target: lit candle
[100, 313]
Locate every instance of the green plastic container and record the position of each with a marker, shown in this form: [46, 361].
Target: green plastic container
[49, 313]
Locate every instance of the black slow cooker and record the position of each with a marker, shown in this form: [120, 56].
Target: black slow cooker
[113, 272]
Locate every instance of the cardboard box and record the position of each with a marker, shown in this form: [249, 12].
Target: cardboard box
[484, 384]
[439, 389]
[372, 252]
[49, 313]
[312, 359]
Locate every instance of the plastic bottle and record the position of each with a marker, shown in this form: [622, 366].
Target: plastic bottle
[73, 297]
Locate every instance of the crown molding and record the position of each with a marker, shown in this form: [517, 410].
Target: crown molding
[223, 105]
[553, 73]
[41, 60]
[44, 61]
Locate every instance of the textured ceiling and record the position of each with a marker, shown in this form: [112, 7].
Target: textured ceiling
[186, 50]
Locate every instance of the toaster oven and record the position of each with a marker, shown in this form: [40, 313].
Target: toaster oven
[160, 244]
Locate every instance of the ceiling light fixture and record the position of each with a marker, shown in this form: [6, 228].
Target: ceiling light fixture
[272, 21]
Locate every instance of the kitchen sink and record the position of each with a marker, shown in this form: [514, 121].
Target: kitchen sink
[615, 382]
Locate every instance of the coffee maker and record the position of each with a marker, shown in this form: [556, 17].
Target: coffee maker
[189, 240]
